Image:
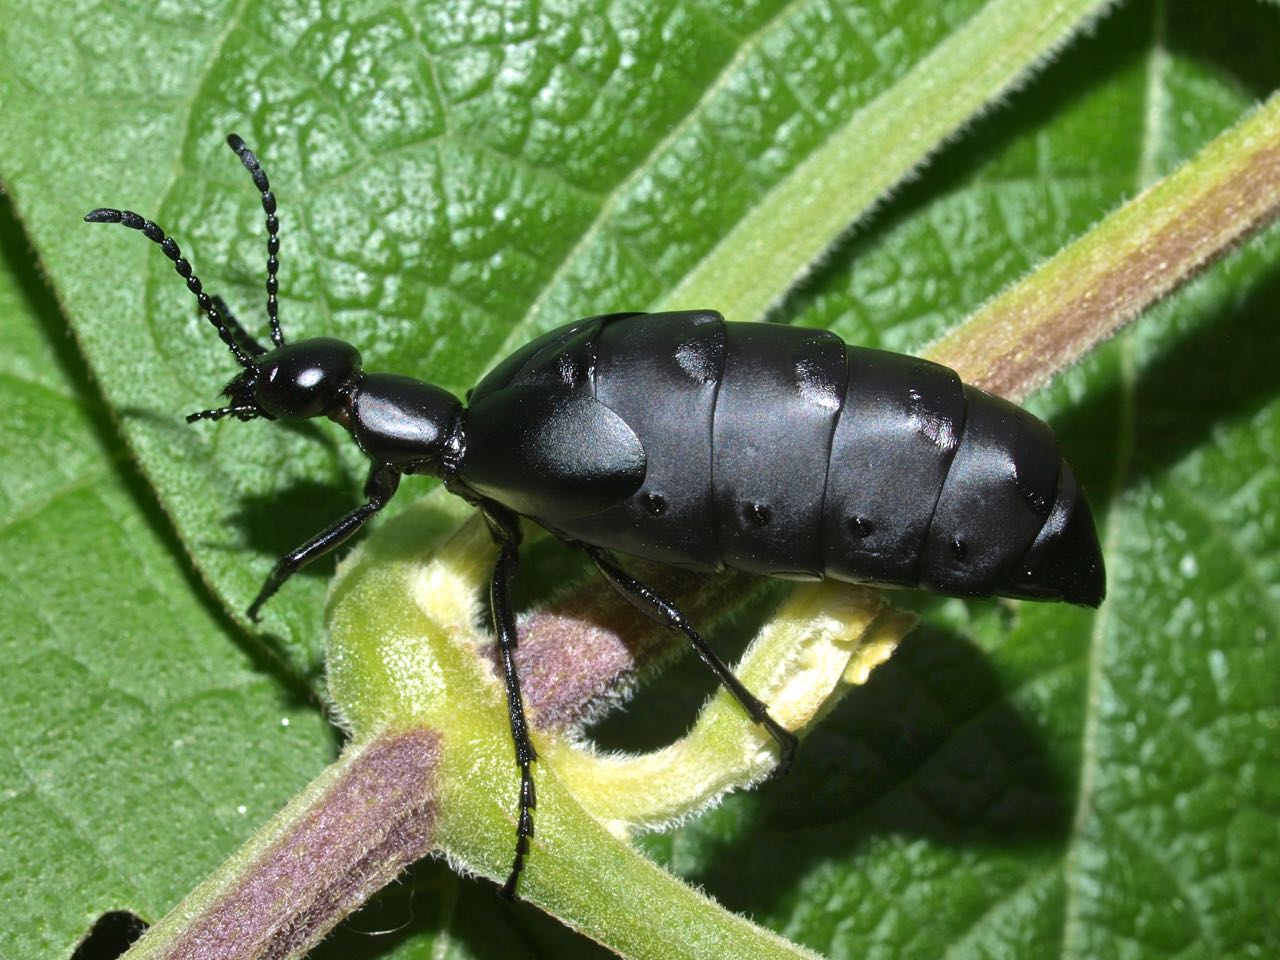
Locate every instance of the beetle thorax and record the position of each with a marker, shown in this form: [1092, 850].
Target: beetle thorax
[407, 423]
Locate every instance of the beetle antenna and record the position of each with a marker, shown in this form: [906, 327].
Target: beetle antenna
[243, 412]
[153, 233]
[260, 181]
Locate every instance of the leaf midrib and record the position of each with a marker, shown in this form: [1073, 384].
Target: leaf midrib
[520, 330]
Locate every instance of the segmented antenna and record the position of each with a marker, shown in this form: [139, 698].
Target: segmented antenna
[152, 232]
[273, 231]
[243, 412]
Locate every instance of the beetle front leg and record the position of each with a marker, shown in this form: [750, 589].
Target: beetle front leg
[506, 531]
[662, 611]
[244, 337]
[379, 488]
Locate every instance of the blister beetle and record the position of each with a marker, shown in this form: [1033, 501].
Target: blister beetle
[683, 439]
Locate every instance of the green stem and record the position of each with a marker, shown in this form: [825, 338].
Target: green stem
[403, 655]
[1133, 258]
[787, 233]
[825, 639]
[581, 873]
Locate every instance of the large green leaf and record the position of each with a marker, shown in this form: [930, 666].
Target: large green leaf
[1020, 780]
[141, 737]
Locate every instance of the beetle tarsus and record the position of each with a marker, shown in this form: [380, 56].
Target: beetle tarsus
[787, 743]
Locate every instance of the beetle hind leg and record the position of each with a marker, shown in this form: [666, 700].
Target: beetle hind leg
[506, 532]
[662, 611]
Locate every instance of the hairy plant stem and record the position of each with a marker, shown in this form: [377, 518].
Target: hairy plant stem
[348, 834]
[1136, 256]
[880, 146]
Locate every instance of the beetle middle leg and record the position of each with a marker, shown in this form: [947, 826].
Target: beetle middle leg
[506, 531]
[662, 611]
[379, 488]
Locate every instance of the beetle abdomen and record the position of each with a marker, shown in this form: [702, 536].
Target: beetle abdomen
[1001, 485]
[936, 484]
[785, 452]
[780, 398]
[899, 428]
[736, 447]
[662, 375]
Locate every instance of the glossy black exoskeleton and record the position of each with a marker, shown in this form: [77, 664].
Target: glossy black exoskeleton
[684, 439]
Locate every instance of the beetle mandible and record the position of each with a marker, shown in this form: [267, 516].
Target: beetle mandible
[683, 439]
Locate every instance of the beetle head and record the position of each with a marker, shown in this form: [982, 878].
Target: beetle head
[290, 382]
[308, 378]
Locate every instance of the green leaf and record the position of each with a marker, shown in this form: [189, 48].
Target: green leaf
[142, 741]
[441, 203]
[1019, 780]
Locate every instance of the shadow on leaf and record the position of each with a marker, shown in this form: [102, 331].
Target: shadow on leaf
[110, 936]
[929, 748]
[275, 523]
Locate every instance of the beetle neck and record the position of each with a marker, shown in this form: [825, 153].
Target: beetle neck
[455, 447]
[341, 414]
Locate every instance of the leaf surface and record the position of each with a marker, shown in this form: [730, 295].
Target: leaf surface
[141, 739]
[1021, 780]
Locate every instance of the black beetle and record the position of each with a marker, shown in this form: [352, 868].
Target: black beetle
[680, 438]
